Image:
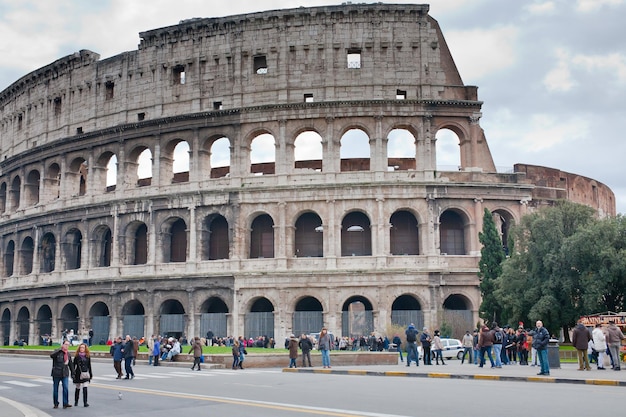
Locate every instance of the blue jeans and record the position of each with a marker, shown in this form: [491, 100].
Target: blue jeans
[467, 350]
[128, 366]
[487, 350]
[325, 358]
[55, 390]
[411, 353]
[543, 361]
[292, 363]
[476, 353]
[400, 352]
[497, 352]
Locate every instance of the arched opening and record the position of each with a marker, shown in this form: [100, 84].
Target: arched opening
[140, 245]
[180, 164]
[213, 317]
[401, 150]
[111, 174]
[220, 158]
[503, 221]
[403, 235]
[260, 320]
[451, 233]
[69, 318]
[26, 254]
[356, 235]
[357, 318]
[263, 155]
[309, 236]
[133, 319]
[52, 183]
[31, 188]
[448, 151]
[23, 325]
[14, 194]
[5, 327]
[262, 237]
[308, 317]
[178, 241]
[3, 197]
[9, 258]
[44, 325]
[457, 315]
[103, 240]
[48, 252]
[216, 238]
[100, 322]
[405, 310]
[308, 152]
[73, 249]
[76, 177]
[144, 168]
[172, 320]
[355, 151]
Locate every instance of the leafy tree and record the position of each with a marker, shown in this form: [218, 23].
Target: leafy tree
[489, 268]
[537, 282]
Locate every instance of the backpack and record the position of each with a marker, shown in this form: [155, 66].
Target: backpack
[498, 336]
[411, 335]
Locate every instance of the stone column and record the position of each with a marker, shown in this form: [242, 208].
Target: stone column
[331, 162]
[475, 226]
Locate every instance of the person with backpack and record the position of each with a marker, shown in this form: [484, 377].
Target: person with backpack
[498, 338]
[411, 345]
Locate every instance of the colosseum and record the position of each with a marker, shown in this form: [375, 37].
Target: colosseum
[260, 174]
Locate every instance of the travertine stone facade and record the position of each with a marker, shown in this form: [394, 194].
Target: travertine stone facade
[252, 246]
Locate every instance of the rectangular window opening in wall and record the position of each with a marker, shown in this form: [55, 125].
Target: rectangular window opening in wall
[400, 95]
[354, 58]
[260, 64]
[179, 74]
[141, 116]
[217, 105]
[57, 106]
[79, 130]
[109, 85]
[308, 98]
[19, 122]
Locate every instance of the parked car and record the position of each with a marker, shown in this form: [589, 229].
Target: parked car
[452, 348]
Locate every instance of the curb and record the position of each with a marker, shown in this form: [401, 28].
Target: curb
[605, 382]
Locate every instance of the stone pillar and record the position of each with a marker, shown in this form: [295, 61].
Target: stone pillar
[156, 162]
[475, 226]
[117, 237]
[193, 236]
[191, 322]
[195, 166]
[283, 158]
[331, 162]
[378, 147]
[426, 148]
[331, 228]
[279, 232]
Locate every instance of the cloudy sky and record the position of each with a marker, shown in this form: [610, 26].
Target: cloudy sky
[551, 73]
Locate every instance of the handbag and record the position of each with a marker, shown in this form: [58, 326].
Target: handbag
[84, 376]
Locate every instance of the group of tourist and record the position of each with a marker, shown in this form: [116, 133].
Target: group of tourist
[64, 367]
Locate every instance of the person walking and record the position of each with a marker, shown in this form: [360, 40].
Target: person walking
[62, 368]
[293, 351]
[306, 346]
[599, 344]
[485, 344]
[82, 374]
[235, 352]
[324, 347]
[242, 351]
[541, 337]
[118, 356]
[468, 347]
[411, 345]
[128, 349]
[398, 342]
[196, 348]
[426, 344]
[614, 341]
[580, 340]
[438, 348]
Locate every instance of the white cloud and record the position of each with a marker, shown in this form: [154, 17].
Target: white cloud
[481, 52]
[542, 8]
[613, 63]
[586, 6]
[560, 77]
[544, 132]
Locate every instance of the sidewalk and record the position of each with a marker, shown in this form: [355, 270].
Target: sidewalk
[11, 408]
[568, 373]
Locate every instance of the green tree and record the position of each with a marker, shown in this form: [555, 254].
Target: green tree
[489, 268]
[537, 282]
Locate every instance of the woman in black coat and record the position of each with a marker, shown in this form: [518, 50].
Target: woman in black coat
[82, 373]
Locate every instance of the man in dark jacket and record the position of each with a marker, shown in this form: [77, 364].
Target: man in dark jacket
[580, 340]
[541, 337]
[411, 345]
[62, 368]
[118, 355]
[128, 350]
[425, 340]
[306, 346]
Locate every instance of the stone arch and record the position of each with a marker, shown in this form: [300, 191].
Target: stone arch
[52, 182]
[262, 237]
[308, 151]
[354, 143]
[105, 171]
[133, 313]
[76, 177]
[259, 321]
[175, 160]
[138, 167]
[102, 246]
[31, 188]
[44, 324]
[100, 322]
[263, 154]
[15, 194]
[453, 225]
[504, 221]
[137, 243]
[172, 318]
[5, 327]
[69, 317]
[308, 316]
[356, 234]
[215, 237]
[401, 149]
[26, 256]
[404, 233]
[215, 156]
[72, 249]
[174, 234]
[214, 317]
[23, 325]
[406, 309]
[48, 252]
[309, 236]
[457, 314]
[9, 258]
[3, 197]
[357, 318]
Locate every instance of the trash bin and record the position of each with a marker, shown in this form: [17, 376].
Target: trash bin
[554, 360]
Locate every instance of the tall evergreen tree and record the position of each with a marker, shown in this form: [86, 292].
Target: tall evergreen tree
[489, 268]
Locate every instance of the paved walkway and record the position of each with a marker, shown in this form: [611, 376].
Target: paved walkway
[568, 373]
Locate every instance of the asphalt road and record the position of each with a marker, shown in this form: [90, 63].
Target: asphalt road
[178, 391]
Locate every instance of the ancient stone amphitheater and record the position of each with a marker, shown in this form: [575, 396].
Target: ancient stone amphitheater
[243, 175]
